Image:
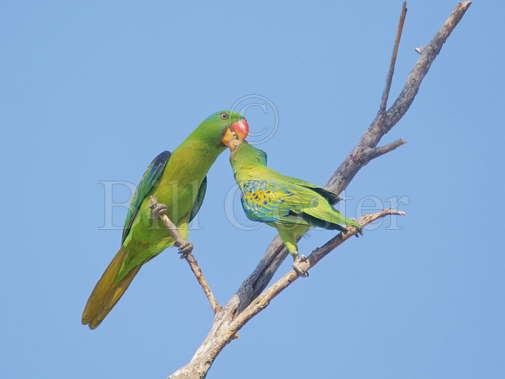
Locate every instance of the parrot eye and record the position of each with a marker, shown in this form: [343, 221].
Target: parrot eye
[224, 116]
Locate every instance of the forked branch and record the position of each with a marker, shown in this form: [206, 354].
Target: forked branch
[392, 63]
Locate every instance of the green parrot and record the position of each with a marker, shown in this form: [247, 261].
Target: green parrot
[178, 181]
[289, 205]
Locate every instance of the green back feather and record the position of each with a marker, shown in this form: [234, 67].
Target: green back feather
[147, 185]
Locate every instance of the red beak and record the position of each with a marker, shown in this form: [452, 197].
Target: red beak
[236, 133]
[241, 127]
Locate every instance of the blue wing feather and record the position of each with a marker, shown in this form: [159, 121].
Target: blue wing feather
[268, 201]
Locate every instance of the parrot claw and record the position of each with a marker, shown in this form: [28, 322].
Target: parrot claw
[157, 209]
[298, 270]
[185, 248]
[359, 232]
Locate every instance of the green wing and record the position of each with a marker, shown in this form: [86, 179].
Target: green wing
[270, 201]
[144, 188]
[328, 195]
[280, 202]
[147, 185]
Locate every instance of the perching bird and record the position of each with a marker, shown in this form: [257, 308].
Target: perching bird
[290, 205]
[178, 181]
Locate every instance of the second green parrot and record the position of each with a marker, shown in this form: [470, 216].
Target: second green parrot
[290, 205]
[178, 182]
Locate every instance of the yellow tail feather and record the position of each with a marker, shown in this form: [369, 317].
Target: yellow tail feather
[107, 292]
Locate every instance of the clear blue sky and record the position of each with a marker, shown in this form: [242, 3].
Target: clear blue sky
[92, 91]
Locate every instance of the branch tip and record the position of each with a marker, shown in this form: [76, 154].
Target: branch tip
[392, 63]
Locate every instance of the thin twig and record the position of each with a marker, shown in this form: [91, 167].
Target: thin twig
[378, 151]
[392, 63]
[193, 264]
[423, 64]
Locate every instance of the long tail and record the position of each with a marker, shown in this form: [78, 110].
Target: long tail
[107, 292]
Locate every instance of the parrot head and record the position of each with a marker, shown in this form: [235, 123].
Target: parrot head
[246, 155]
[224, 128]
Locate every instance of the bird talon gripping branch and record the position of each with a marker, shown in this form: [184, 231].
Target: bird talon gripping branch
[185, 248]
[300, 271]
[157, 209]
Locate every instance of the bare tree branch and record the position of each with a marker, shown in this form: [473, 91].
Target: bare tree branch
[389, 79]
[428, 55]
[193, 264]
[249, 299]
[376, 152]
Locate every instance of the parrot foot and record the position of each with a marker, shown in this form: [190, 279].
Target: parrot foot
[157, 209]
[298, 270]
[359, 232]
[185, 248]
